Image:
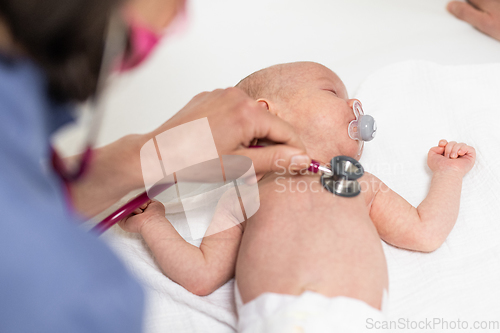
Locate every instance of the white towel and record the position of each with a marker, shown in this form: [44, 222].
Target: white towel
[170, 307]
[416, 104]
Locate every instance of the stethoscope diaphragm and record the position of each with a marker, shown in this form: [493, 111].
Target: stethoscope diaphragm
[343, 180]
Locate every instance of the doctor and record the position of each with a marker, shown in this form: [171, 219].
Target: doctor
[53, 276]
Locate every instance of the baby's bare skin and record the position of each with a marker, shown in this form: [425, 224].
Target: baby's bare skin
[311, 241]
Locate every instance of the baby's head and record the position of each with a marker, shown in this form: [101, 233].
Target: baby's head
[311, 98]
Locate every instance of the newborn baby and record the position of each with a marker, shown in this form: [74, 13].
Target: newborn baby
[309, 259]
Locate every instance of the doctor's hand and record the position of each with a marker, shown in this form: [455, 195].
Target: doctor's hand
[484, 15]
[236, 120]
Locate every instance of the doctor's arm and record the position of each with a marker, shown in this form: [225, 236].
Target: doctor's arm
[426, 227]
[235, 120]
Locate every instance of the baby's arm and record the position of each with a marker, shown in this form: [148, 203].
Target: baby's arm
[200, 270]
[424, 228]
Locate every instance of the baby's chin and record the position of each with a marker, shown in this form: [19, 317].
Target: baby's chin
[357, 155]
[354, 153]
[325, 154]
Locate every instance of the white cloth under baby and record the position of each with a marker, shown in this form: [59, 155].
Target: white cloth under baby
[309, 312]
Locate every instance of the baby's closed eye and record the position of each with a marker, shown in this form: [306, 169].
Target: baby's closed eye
[332, 91]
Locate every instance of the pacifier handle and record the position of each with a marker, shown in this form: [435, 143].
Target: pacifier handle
[357, 108]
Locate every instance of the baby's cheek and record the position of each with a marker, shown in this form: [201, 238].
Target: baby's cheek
[351, 148]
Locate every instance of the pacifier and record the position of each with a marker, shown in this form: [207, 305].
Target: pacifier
[363, 128]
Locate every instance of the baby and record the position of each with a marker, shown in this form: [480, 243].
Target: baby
[308, 257]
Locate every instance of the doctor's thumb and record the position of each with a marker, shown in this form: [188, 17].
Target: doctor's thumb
[279, 158]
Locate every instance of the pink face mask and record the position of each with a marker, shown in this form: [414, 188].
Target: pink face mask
[142, 40]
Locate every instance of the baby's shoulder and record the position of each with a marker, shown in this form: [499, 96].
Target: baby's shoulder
[369, 186]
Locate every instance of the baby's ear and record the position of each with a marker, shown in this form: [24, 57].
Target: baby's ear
[271, 106]
[263, 103]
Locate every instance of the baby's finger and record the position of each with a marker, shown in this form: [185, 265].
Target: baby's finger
[443, 143]
[155, 203]
[145, 205]
[137, 211]
[448, 148]
[437, 150]
[455, 151]
[467, 150]
[122, 223]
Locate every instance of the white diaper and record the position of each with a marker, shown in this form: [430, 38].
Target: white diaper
[309, 312]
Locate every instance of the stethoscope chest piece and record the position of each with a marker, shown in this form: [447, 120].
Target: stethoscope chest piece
[344, 178]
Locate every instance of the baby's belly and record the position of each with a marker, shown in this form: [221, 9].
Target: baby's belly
[303, 238]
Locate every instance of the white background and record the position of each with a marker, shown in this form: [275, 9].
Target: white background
[225, 40]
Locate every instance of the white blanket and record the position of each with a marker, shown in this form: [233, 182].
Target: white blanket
[415, 104]
[170, 307]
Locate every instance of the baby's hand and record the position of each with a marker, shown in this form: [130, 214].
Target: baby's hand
[451, 156]
[150, 211]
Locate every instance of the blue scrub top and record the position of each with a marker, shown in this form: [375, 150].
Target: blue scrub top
[54, 277]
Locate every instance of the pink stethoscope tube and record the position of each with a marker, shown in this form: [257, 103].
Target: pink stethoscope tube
[128, 208]
[117, 215]
[141, 42]
[314, 167]
[140, 200]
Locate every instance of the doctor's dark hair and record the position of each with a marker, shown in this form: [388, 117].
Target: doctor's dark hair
[64, 37]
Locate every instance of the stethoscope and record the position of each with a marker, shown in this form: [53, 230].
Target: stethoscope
[115, 52]
[339, 178]
[115, 43]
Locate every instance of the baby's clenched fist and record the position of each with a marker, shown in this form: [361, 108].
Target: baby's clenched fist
[451, 156]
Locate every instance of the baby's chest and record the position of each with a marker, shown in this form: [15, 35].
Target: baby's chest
[302, 206]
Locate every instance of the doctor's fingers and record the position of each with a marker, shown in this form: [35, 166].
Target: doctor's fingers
[288, 150]
[219, 106]
[276, 158]
[261, 124]
[237, 118]
[486, 19]
[235, 121]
